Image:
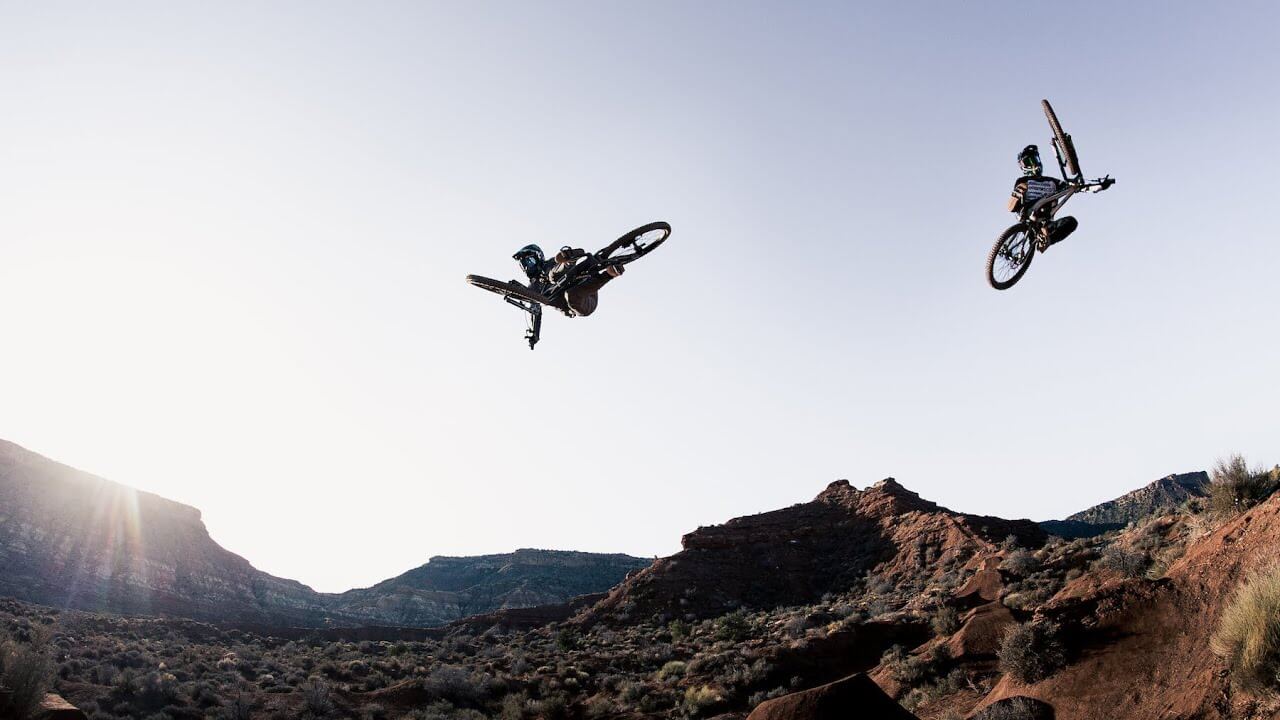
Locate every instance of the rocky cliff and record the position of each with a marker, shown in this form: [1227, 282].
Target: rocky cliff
[70, 539]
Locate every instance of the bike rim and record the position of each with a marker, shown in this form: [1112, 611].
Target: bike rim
[1014, 253]
[640, 244]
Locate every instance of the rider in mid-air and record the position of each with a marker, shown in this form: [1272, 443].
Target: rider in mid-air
[543, 273]
[1034, 185]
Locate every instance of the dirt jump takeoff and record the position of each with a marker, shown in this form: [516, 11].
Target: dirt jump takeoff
[1037, 198]
[571, 280]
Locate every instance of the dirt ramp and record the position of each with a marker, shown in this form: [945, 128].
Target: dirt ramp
[980, 636]
[853, 698]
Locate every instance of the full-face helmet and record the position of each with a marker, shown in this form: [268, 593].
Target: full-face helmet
[1029, 160]
[530, 258]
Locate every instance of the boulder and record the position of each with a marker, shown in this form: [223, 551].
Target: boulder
[853, 698]
[53, 707]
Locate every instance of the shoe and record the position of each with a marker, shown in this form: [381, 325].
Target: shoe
[613, 270]
[568, 255]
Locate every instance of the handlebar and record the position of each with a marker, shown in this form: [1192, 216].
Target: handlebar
[1099, 184]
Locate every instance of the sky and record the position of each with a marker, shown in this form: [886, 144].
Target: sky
[233, 238]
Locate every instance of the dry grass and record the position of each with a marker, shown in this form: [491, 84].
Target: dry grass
[1248, 634]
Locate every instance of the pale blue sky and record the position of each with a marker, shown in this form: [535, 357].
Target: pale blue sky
[233, 237]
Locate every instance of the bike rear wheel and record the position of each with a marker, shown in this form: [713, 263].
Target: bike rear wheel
[636, 244]
[1010, 257]
[1064, 140]
[507, 289]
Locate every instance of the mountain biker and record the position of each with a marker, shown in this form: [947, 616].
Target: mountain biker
[1035, 185]
[578, 299]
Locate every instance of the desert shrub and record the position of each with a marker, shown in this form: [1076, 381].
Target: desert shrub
[568, 639]
[1016, 708]
[316, 700]
[1234, 487]
[733, 627]
[929, 692]
[946, 621]
[26, 673]
[1031, 652]
[698, 700]
[759, 697]
[795, 626]
[457, 684]
[912, 670]
[1126, 561]
[673, 669]
[1248, 634]
[1020, 562]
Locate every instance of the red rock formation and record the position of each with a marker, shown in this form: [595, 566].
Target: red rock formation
[795, 555]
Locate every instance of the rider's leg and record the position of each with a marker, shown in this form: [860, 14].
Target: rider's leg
[1061, 228]
[584, 298]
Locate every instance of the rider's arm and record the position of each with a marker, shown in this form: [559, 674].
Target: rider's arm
[1015, 200]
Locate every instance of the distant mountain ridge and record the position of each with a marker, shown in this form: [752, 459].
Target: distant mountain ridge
[458, 587]
[71, 539]
[1156, 498]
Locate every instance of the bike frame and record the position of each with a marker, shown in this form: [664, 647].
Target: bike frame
[575, 275]
[1031, 216]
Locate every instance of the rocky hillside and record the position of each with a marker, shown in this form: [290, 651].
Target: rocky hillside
[1162, 496]
[844, 539]
[1139, 647]
[70, 539]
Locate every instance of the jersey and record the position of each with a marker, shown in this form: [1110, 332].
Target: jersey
[1027, 191]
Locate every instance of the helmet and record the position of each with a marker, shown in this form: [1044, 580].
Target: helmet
[529, 251]
[1029, 160]
[530, 258]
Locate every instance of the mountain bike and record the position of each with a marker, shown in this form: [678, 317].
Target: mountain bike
[1011, 256]
[553, 291]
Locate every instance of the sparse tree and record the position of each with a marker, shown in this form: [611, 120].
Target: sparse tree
[1234, 487]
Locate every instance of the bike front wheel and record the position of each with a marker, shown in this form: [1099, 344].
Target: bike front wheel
[1010, 257]
[636, 244]
[1064, 140]
[507, 289]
